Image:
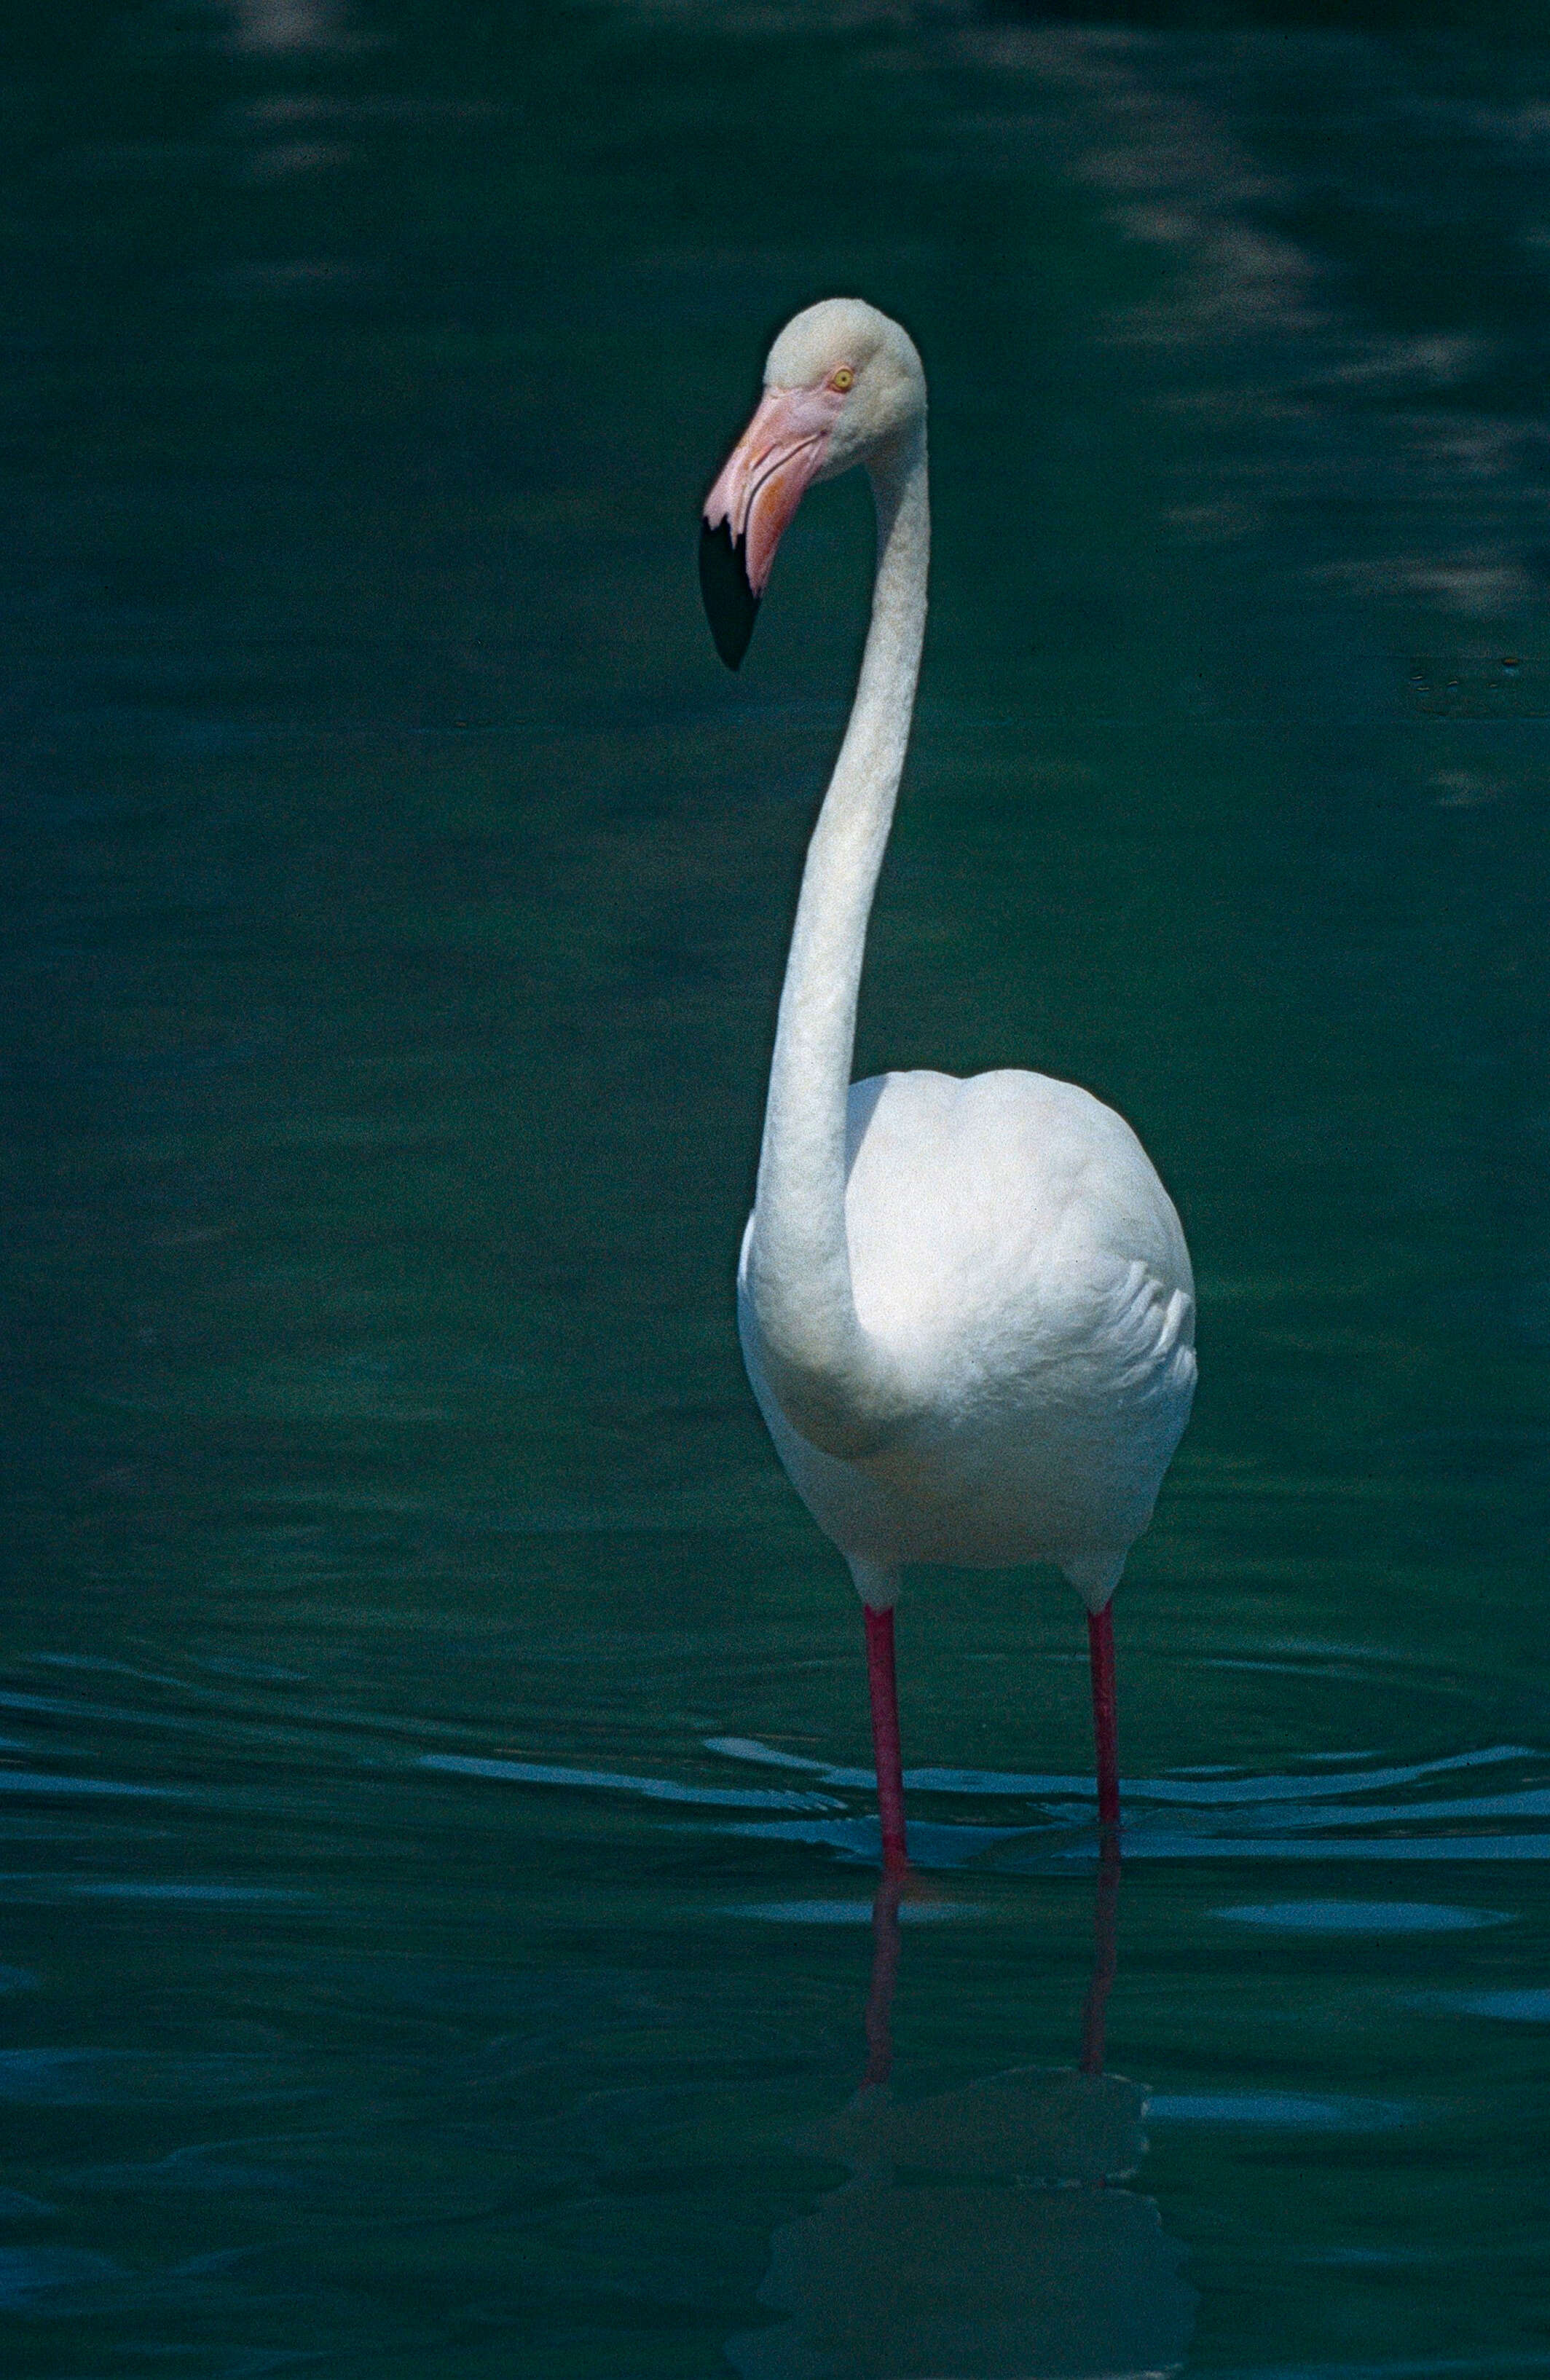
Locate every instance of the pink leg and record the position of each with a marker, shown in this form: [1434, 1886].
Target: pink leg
[885, 1737]
[1100, 1644]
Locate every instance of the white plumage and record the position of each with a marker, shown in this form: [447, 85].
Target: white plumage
[1012, 1248]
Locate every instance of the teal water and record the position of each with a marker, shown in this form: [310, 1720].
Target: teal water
[438, 1878]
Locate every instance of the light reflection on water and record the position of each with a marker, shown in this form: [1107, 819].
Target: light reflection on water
[433, 1797]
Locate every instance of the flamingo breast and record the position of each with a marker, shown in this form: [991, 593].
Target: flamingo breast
[1012, 1246]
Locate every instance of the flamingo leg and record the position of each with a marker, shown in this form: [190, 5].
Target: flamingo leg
[1100, 1645]
[885, 1737]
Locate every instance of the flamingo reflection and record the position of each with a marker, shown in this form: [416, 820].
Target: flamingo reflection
[982, 2233]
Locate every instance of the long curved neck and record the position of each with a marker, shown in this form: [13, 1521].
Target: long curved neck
[835, 1384]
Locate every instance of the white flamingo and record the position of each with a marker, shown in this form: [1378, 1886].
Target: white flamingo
[966, 1307]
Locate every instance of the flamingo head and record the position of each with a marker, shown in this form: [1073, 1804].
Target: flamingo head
[842, 385]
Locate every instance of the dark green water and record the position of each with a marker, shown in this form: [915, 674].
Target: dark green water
[436, 1887]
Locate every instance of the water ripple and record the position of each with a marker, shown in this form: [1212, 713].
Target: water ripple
[651, 1789]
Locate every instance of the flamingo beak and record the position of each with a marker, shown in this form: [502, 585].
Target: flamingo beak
[750, 507]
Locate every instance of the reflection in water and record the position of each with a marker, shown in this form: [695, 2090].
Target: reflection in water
[982, 2232]
[281, 26]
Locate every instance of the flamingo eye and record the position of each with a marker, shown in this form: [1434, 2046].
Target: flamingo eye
[843, 378]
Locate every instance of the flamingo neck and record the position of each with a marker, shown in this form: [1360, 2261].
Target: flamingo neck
[835, 1384]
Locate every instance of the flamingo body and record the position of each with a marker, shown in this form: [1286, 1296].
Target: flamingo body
[966, 1307]
[1014, 1251]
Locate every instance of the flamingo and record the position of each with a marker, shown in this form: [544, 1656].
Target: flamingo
[966, 1307]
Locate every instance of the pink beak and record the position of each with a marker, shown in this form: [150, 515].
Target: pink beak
[750, 507]
[769, 471]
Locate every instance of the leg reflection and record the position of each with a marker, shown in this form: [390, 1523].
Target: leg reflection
[1106, 1953]
[942, 2252]
[886, 1945]
[884, 1974]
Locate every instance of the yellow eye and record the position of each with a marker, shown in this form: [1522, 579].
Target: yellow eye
[843, 378]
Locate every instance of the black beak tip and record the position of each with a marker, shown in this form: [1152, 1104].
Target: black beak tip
[731, 605]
